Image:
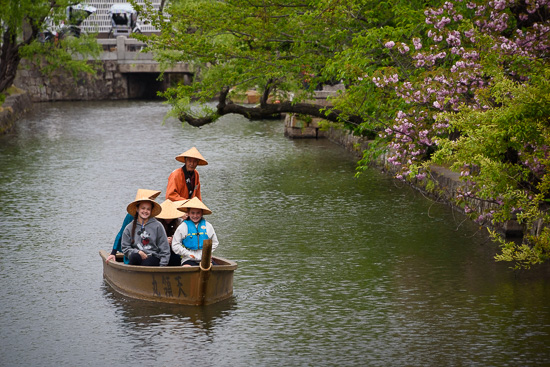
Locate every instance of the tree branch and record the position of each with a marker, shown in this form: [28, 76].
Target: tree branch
[266, 111]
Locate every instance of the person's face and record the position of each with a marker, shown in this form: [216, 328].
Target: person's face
[191, 163]
[195, 215]
[144, 210]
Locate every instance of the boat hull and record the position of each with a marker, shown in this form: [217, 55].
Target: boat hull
[171, 284]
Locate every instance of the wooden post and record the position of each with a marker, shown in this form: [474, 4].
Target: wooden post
[206, 260]
[205, 265]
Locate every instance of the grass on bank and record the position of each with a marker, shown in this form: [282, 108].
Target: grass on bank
[8, 92]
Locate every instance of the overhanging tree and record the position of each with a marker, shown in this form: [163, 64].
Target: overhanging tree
[464, 84]
[280, 48]
[474, 95]
[21, 22]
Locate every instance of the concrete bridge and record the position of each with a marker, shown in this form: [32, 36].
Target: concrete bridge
[139, 68]
[127, 52]
[126, 73]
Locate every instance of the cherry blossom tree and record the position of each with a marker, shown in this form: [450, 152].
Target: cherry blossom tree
[474, 94]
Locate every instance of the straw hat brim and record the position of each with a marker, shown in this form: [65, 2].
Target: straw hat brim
[192, 153]
[170, 210]
[196, 204]
[132, 207]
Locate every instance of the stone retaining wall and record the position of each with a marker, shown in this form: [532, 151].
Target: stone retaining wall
[13, 108]
[110, 82]
[107, 83]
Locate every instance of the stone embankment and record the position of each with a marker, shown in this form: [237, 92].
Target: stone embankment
[15, 106]
[61, 86]
[122, 71]
[108, 83]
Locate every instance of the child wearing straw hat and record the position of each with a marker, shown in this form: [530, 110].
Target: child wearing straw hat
[144, 241]
[189, 236]
[170, 218]
[117, 246]
[184, 182]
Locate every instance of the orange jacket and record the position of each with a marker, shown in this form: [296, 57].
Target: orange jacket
[177, 189]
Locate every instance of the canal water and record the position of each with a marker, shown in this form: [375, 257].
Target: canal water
[333, 270]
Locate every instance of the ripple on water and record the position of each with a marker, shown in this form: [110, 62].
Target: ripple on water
[332, 269]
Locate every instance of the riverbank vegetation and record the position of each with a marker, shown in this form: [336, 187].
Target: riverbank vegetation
[459, 83]
[25, 28]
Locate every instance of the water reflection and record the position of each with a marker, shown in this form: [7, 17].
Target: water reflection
[139, 315]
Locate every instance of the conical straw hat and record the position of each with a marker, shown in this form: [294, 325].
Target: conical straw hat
[151, 194]
[132, 207]
[195, 203]
[170, 209]
[192, 153]
[179, 203]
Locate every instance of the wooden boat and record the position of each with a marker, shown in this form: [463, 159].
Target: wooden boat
[192, 285]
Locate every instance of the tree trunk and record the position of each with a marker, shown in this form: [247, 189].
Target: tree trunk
[9, 60]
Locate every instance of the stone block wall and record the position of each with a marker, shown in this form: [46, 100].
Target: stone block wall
[298, 129]
[13, 108]
[107, 83]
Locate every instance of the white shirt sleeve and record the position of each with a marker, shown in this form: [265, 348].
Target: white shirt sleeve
[212, 235]
[180, 234]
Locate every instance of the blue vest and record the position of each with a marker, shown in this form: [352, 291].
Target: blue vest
[194, 238]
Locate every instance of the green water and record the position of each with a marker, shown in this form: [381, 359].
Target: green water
[333, 270]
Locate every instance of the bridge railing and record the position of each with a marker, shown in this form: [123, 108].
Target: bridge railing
[128, 54]
[124, 49]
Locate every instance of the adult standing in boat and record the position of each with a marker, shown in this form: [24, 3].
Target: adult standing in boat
[170, 218]
[117, 247]
[184, 182]
[189, 236]
[144, 241]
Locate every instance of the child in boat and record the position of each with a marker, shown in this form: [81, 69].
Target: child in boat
[170, 218]
[117, 247]
[144, 241]
[190, 235]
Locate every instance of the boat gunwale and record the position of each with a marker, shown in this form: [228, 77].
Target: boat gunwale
[231, 266]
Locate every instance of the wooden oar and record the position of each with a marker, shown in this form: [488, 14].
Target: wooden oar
[205, 265]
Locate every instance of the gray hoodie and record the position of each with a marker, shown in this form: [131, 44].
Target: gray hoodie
[150, 239]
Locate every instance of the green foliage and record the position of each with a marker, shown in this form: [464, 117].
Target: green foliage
[23, 21]
[303, 121]
[366, 57]
[494, 131]
[70, 53]
[186, 107]
[535, 250]
[505, 152]
[286, 46]
[373, 152]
